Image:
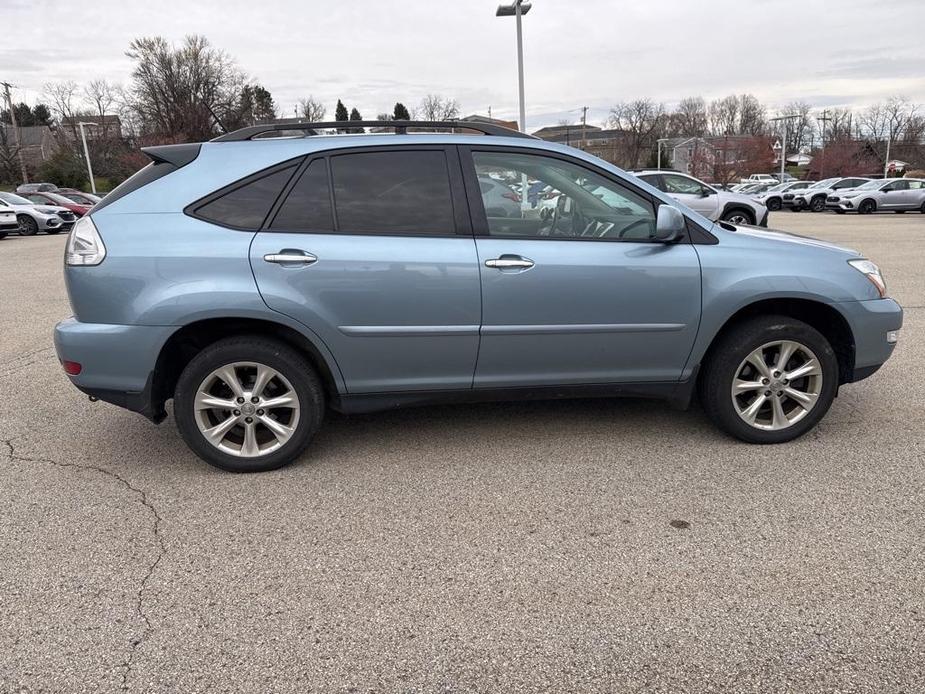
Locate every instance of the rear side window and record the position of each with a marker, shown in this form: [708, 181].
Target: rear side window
[246, 206]
[308, 205]
[398, 192]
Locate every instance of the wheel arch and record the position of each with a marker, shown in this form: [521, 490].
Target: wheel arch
[736, 206]
[190, 339]
[868, 200]
[821, 316]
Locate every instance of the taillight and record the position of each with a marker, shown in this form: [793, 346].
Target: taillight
[84, 244]
[71, 368]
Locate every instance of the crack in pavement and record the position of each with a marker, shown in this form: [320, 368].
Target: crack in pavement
[159, 541]
[13, 365]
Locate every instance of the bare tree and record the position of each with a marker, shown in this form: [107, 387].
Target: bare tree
[800, 130]
[176, 90]
[311, 109]
[435, 107]
[640, 120]
[751, 116]
[62, 97]
[724, 116]
[874, 121]
[690, 118]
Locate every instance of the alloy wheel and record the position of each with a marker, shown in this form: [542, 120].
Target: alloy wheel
[777, 385]
[246, 409]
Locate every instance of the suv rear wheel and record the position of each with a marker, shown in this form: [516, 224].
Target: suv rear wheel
[248, 404]
[769, 380]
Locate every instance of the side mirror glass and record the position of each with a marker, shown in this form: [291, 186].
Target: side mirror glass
[669, 224]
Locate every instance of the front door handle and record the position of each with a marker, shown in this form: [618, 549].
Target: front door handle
[290, 257]
[510, 262]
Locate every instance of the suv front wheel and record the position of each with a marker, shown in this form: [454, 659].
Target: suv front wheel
[248, 404]
[738, 216]
[769, 380]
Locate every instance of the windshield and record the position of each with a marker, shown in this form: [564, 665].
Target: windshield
[60, 199]
[14, 199]
[825, 183]
[778, 187]
[872, 185]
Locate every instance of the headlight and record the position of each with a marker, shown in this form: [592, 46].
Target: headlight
[872, 272]
[84, 245]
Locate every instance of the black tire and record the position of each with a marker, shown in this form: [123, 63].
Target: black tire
[867, 207]
[3, 234]
[737, 212]
[817, 204]
[922, 210]
[27, 225]
[774, 204]
[290, 363]
[731, 350]
[839, 212]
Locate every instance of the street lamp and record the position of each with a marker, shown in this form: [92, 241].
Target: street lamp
[83, 137]
[518, 9]
[660, 141]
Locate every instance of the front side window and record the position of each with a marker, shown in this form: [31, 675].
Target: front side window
[246, 206]
[682, 185]
[570, 201]
[397, 192]
[898, 185]
[915, 185]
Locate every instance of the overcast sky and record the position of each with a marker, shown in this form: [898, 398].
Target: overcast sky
[577, 52]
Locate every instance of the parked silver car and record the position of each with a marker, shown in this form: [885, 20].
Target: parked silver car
[32, 218]
[814, 197]
[711, 202]
[773, 197]
[891, 194]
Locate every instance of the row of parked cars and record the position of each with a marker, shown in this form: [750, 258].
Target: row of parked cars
[36, 207]
[844, 194]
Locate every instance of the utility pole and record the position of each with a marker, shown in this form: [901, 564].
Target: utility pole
[518, 9]
[584, 125]
[16, 133]
[824, 120]
[83, 137]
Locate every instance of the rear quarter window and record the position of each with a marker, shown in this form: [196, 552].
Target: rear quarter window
[246, 204]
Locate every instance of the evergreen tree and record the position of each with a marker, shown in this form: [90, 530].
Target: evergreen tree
[355, 115]
[340, 113]
[400, 112]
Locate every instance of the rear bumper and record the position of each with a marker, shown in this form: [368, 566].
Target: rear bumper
[870, 322]
[117, 361]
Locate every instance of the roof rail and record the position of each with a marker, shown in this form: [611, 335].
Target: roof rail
[401, 128]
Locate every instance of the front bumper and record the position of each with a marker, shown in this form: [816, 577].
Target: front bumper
[117, 361]
[871, 322]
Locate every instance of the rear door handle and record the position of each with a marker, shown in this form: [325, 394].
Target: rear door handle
[291, 257]
[510, 262]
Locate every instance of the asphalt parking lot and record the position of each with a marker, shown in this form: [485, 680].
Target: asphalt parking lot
[578, 546]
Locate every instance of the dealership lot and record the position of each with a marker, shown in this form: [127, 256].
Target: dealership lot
[566, 546]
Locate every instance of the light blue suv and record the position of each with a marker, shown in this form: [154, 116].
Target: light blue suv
[257, 280]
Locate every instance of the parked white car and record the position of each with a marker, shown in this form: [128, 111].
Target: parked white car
[759, 178]
[773, 197]
[711, 202]
[884, 195]
[814, 197]
[8, 223]
[32, 218]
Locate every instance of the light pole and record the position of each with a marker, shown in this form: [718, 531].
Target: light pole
[783, 148]
[83, 137]
[518, 9]
[660, 141]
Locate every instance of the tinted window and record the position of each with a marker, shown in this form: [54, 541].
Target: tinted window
[246, 206]
[575, 202]
[393, 193]
[653, 180]
[308, 205]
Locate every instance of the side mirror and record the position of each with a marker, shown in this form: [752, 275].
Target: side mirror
[706, 192]
[669, 224]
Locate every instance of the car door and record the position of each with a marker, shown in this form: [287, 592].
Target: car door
[893, 195]
[914, 195]
[583, 295]
[692, 193]
[372, 250]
